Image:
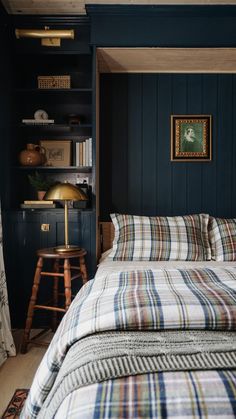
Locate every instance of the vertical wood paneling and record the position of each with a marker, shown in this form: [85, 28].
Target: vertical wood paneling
[140, 136]
[233, 200]
[135, 149]
[119, 143]
[105, 167]
[179, 169]
[163, 25]
[149, 145]
[164, 166]
[224, 146]
[209, 107]
[194, 169]
[86, 231]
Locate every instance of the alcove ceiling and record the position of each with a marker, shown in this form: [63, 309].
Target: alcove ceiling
[60, 7]
[166, 60]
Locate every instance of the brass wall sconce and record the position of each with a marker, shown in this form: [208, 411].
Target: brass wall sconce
[49, 37]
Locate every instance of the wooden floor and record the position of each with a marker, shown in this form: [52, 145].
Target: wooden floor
[18, 371]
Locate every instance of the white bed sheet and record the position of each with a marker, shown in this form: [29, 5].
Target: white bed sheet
[107, 265]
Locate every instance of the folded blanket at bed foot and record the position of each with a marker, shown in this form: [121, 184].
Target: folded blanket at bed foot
[104, 356]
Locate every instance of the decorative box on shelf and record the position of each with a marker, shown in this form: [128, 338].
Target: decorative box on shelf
[54, 82]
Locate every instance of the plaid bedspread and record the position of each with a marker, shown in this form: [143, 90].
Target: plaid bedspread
[144, 300]
[175, 395]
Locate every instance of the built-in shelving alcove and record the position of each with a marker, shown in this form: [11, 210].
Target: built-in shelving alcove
[140, 88]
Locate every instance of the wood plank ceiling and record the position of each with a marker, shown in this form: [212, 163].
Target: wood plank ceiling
[57, 7]
[166, 60]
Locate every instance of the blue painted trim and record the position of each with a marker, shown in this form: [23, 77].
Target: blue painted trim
[65, 20]
[154, 30]
[162, 11]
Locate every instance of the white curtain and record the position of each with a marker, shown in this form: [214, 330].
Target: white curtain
[7, 347]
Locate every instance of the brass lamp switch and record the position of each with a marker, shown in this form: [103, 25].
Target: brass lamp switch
[45, 227]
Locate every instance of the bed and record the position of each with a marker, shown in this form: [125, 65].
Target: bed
[153, 335]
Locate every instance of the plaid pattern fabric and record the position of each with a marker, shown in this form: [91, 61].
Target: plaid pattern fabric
[222, 236]
[185, 395]
[160, 238]
[138, 300]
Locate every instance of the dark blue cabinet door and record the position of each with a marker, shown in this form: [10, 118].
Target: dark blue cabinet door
[23, 236]
[81, 230]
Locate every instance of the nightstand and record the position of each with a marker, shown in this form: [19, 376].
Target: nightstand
[62, 268]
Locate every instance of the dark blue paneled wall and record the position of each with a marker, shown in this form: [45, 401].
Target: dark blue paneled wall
[176, 26]
[137, 175]
[5, 107]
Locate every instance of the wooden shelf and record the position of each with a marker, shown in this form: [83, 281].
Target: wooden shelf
[81, 169]
[72, 90]
[56, 126]
[20, 210]
[84, 50]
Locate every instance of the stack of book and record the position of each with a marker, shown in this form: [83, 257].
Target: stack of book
[38, 204]
[84, 153]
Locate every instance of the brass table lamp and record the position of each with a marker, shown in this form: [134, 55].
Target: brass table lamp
[65, 192]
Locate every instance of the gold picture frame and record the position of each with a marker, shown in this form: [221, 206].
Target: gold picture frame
[191, 137]
[57, 152]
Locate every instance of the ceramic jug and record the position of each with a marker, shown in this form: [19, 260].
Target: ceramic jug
[33, 155]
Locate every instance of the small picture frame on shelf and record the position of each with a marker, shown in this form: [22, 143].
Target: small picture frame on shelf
[57, 152]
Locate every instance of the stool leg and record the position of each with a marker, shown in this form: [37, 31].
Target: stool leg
[67, 283]
[55, 295]
[31, 305]
[83, 269]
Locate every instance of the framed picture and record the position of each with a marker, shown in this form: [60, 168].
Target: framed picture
[191, 137]
[57, 152]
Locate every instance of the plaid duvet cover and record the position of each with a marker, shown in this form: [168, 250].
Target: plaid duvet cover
[157, 299]
[179, 394]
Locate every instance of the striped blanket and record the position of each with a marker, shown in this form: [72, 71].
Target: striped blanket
[148, 300]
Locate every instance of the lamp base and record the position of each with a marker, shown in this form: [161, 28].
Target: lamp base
[66, 249]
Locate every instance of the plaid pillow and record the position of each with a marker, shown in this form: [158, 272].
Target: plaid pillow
[222, 236]
[160, 238]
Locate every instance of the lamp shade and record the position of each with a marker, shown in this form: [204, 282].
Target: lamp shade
[65, 192]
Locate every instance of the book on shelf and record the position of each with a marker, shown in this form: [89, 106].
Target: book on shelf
[84, 153]
[35, 202]
[77, 153]
[90, 160]
[37, 206]
[38, 122]
[80, 154]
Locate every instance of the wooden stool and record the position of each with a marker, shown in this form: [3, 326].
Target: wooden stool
[67, 268]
